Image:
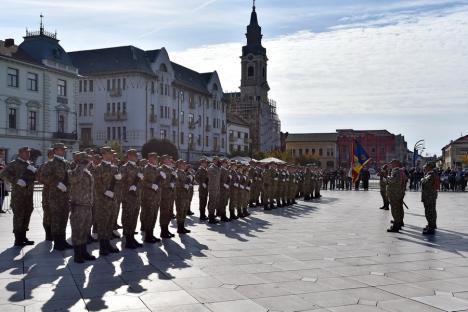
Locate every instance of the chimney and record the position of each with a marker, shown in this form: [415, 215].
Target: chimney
[9, 42]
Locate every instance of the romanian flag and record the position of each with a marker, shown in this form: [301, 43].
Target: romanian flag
[360, 159]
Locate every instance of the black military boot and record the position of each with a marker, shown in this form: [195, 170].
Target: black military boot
[86, 255]
[180, 228]
[91, 239]
[212, 219]
[150, 239]
[165, 232]
[266, 207]
[203, 217]
[272, 206]
[246, 213]
[224, 218]
[66, 245]
[58, 243]
[137, 243]
[26, 241]
[19, 240]
[190, 213]
[111, 248]
[129, 242]
[78, 256]
[48, 233]
[394, 228]
[251, 204]
[103, 251]
[232, 215]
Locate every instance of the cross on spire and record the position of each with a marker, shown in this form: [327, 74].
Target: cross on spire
[41, 27]
[253, 6]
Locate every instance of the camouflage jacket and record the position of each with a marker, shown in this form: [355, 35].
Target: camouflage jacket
[130, 177]
[224, 178]
[18, 170]
[151, 175]
[214, 174]
[81, 186]
[55, 172]
[429, 191]
[396, 183]
[202, 179]
[104, 179]
[168, 178]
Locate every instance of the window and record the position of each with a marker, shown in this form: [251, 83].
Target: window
[320, 152]
[182, 117]
[152, 109]
[113, 108]
[113, 84]
[118, 107]
[61, 87]
[190, 138]
[124, 83]
[108, 133]
[161, 111]
[152, 87]
[85, 109]
[151, 132]
[108, 107]
[250, 71]
[91, 109]
[32, 82]
[80, 111]
[307, 151]
[12, 77]
[181, 138]
[199, 142]
[174, 137]
[162, 134]
[81, 86]
[119, 133]
[313, 151]
[222, 142]
[85, 86]
[124, 133]
[124, 107]
[113, 133]
[300, 152]
[108, 85]
[91, 86]
[12, 118]
[161, 88]
[191, 119]
[61, 124]
[118, 84]
[207, 143]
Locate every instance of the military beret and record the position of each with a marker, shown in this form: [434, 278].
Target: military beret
[106, 149]
[132, 151]
[24, 149]
[81, 156]
[59, 145]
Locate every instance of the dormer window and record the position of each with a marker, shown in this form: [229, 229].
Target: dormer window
[163, 68]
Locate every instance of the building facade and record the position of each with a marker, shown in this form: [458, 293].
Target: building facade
[238, 136]
[37, 95]
[129, 95]
[252, 103]
[321, 148]
[455, 154]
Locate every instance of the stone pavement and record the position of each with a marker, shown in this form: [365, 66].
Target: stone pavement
[328, 255]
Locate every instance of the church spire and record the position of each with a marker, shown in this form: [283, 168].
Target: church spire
[254, 34]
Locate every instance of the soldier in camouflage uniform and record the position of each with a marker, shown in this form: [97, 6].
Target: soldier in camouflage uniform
[233, 191]
[118, 191]
[429, 186]
[21, 174]
[81, 203]
[55, 175]
[225, 185]
[151, 198]
[131, 177]
[268, 187]
[96, 161]
[105, 177]
[45, 197]
[383, 187]
[214, 175]
[318, 183]
[396, 184]
[202, 179]
[167, 195]
[252, 174]
[182, 196]
[191, 177]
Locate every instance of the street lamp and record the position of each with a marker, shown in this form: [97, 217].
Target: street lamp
[419, 146]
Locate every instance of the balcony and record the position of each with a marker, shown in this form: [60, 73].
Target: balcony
[115, 92]
[207, 128]
[153, 118]
[116, 116]
[192, 125]
[64, 136]
[62, 100]
[232, 138]
[175, 122]
[223, 130]
[192, 104]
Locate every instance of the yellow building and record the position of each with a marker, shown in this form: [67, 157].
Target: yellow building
[455, 154]
[321, 147]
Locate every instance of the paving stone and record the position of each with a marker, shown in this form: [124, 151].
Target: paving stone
[215, 294]
[330, 298]
[446, 303]
[288, 303]
[404, 305]
[115, 303]
[167, 298]
[236, 306]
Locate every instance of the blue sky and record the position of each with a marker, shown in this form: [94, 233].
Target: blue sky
[400, 65]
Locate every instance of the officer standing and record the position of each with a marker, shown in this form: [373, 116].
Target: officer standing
[21, 174]
[167, 195]
[151, 198]
[81, 203]
[430, 187]
[45, 196]
[396, 184]
[383, 186]
[182, 196]
[214, 174]
[202, 179]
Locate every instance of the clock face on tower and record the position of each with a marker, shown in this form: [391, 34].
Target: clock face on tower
[250, 57]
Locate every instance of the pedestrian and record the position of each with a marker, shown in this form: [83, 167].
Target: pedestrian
[430, 185]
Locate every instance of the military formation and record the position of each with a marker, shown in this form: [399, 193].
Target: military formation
[96, 187]
[393, 181]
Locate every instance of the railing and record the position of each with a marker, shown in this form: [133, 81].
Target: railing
[64, 136]
[62, 100]
[232, 138]
[115, 92]
[118, 116]
[175, 122]
[153, 118]
[192, 105]
[207, 128]
[192, 125]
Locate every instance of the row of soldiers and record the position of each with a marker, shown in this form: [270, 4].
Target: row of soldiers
[393, 180]
[91, 190]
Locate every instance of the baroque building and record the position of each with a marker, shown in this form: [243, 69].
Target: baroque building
[37, 95]
[252, 103]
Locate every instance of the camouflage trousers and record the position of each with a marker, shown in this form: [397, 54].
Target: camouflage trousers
[59, 212]
[431, 213]
[22, 207]
[130, 212]
[213, 202]
[223, 201]
[383, 193]
[233, 199]
[150, 202]
[104, 207]
[318, 185]
[45, 206]
[398, 213]
[167, 206]
[203, 199]
[182, 203]
[80, 220]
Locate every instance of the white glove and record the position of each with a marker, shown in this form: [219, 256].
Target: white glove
[62, 187]
[172, 185]
[190, 177]
[32, 168]
[247, 188]
[204, 185]
[132, 188]
[276, 179]
[242, 187]
[226, 186]
[21, 183]
[174, 174]
[230, 176]
[118, 177]
[109, 194]
[236, 184]
[155, 187]
[140, 175]
[186, 186]
[163, 174]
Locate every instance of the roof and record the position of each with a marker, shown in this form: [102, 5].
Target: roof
[41, 47]
[462, 139]
[374, 132]
[190, 78]
[234, 119]
[312, 137]
[113, 60]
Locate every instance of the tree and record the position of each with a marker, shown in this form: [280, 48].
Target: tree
[117, 147]
[161, 147]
